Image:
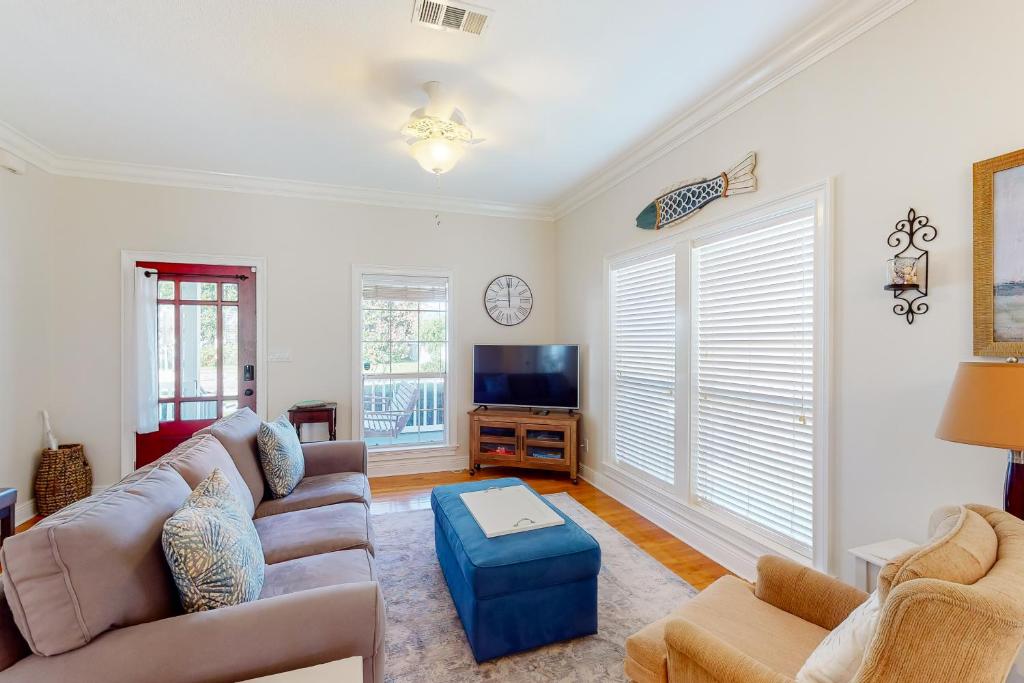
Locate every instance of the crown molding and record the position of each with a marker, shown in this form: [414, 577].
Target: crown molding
[42, 157]
[814, 42]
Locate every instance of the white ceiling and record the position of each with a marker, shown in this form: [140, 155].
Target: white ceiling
[317, 90]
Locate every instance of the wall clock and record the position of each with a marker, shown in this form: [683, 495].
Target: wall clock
[508, 300]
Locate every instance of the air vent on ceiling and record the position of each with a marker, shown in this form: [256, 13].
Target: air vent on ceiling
[451, 16]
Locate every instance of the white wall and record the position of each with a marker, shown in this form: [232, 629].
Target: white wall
[310, 246]
[26, 270]
[896, 117]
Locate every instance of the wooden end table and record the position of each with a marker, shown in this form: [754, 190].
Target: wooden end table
[8, 500]
[328, 412]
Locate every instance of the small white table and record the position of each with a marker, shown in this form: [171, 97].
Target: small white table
[340, 671]
[868, 560]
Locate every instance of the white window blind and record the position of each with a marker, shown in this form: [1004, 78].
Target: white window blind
[753, 359]
[409, 288]
[643, 331]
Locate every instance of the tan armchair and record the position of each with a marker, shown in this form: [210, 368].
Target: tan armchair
[952, 610]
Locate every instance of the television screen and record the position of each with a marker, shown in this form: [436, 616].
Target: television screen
[545, 376]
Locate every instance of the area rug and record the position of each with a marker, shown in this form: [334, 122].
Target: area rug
[425, 640]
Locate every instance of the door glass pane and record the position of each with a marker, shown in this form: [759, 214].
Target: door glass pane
[228, 407]
[230, 291]
[165, 350]
[230, 341]
[201, 291]
[165, 290]
[199, 410]
[198, 351]
[166, 412]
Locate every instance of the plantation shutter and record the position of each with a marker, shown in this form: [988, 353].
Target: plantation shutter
[410, 288]
[643, 301]
[753, 356]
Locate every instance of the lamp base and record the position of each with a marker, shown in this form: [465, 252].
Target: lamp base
[1013, 500]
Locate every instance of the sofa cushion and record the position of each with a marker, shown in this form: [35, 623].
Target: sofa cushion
[323, 489]
[729, 610]
[962, 551]
[317, 571]
[198, 457]
[96, 565]
[237, 433]
[280, 456]
[212, 548]
[310, 532]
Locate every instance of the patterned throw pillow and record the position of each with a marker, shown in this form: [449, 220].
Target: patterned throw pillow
[212, 548]
[280, 456]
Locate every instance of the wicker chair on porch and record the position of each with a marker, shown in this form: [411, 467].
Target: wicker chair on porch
[398, 410]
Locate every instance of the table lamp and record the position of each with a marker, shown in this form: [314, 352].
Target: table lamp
[986, 408]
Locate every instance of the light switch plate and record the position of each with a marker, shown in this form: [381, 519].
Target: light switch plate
[280, 357]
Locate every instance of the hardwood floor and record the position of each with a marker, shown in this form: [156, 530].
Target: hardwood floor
[412, 492]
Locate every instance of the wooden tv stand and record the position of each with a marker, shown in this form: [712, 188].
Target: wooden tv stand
[521, 438]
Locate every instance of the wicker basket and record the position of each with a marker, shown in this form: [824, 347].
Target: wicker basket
[63, 477]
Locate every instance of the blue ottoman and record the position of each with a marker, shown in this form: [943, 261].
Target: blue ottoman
[518, 591]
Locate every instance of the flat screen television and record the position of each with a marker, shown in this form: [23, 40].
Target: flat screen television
[541, 376]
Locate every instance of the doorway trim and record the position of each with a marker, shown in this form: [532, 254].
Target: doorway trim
[128, 261]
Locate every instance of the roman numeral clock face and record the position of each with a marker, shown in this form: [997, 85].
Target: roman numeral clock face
[508, 300]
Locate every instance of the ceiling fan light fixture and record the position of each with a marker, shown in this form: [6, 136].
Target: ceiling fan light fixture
[437, 134]
[437, 155]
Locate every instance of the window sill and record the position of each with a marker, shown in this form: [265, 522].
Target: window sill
[389, 452]
[738, 542]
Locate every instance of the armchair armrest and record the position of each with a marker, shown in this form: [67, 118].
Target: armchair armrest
[691, 646]
[229, 644]
[331, 457]
[804, 592]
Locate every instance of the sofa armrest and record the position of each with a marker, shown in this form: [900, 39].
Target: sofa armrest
[691, 646]
[331, 457]
[804, 592]
[229, 644]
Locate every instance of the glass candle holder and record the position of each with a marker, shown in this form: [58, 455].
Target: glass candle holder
[901, 273]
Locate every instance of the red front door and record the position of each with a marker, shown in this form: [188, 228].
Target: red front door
[206, 345]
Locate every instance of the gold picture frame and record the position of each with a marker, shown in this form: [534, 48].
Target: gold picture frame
[999, 277]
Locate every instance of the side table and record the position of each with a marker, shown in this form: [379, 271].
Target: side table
[869, 560]
[300, 414]
[8, 499]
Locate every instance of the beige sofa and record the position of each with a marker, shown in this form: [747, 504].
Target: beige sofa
[952, 612]
[87, 595]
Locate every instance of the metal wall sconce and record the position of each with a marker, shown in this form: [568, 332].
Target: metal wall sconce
[906, 273]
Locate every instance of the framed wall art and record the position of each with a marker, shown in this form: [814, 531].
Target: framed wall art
[999, 256]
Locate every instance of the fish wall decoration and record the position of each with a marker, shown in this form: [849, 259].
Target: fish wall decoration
[689, 198]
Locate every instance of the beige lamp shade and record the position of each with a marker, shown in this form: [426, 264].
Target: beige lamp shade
[985, 406]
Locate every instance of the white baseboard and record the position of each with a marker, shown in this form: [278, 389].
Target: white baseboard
[392, 465]
[737, 560]
[26, 510]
